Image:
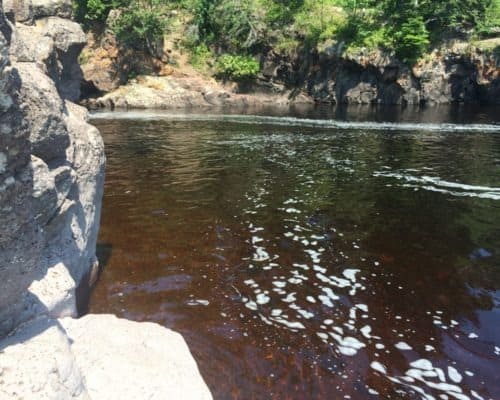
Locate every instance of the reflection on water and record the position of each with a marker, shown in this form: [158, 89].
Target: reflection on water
[311, 262]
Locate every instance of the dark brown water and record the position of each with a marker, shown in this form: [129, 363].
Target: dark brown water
[308, 260]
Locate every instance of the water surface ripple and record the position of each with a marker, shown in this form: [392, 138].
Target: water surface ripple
[356, 261]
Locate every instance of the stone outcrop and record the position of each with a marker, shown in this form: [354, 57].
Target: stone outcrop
[174, 92]
[51, 179]
[456, 74]
[45, 36]
[98, 357]
[51, 182]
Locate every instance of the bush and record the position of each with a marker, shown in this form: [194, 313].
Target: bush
[86, 11]
[200, 56]
[140, 28]
[238, 68]
[319, 20]
[489, 26]
[411, 39]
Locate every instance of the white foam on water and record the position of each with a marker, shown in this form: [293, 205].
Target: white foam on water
[476, 395]
[290, 298]
[256, 239]
[436, 184]
[348, 345]
[252, 305]
[322, 335]
[260, 254]
[276, 312]
[198, 302]
[454, 375]
[362, 307]
[262, 299]
[366, 331]
[319, 268]
[379, 367]
[422, 364]
[152, 115]
[304, 313]
[403, 346]
[311, 299]
[303, 266]
[289, 324]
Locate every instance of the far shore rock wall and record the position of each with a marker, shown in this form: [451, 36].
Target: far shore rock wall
[459, 73]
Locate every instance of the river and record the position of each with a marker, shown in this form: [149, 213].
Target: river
[311, 254]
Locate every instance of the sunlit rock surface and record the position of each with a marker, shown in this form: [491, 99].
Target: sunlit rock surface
[98, 357]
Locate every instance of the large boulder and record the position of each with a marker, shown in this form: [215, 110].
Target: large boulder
[98, 357]
[55, 44]
[26, 11]
[51, 173]
[133, 360]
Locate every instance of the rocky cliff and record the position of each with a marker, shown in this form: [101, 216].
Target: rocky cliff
[52, 167]
[51, 181]
[457, 72]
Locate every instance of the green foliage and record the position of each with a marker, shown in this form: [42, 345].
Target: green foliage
[411, 39]
[489, 26]
[319, 20]
[407, 27]
[238, 25]
[140, 26]
[238, 68]
[282, 12]
[200, 57]
[86, 11]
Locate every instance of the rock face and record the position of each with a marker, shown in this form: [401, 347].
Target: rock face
[457, 74]
[44, 35]
[173, 92]
[51, 172]
[51, 182]
[98, 357]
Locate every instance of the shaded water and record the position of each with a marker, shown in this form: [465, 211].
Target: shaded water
[311, 260]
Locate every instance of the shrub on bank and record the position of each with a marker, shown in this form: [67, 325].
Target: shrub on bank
[237, 67]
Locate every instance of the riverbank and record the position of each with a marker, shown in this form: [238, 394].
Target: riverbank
[452, 72]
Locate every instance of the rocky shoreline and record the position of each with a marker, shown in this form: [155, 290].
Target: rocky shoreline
[51, 182]
[458, 72]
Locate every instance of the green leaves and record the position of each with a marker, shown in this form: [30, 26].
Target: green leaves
[408, 27]
[140, 26]
[411, 39]
[238, 68]
[87, 11]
